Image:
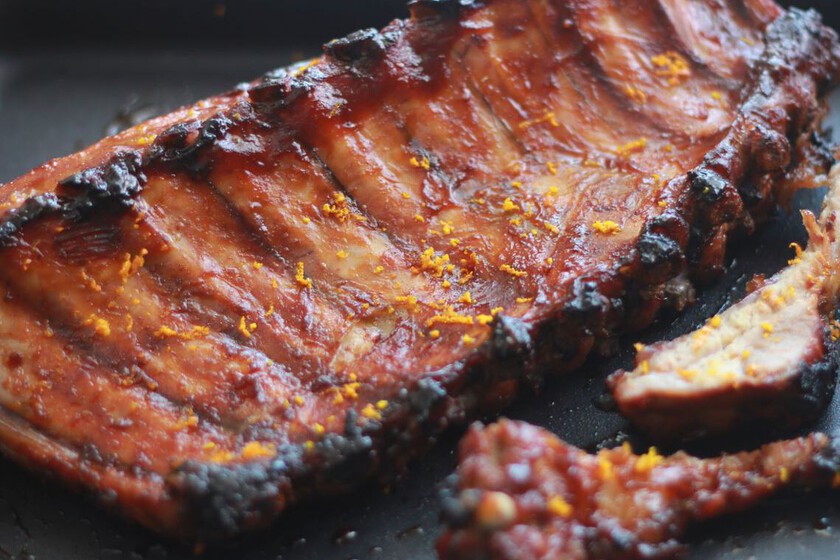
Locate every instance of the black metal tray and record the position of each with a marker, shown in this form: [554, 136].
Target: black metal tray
[70, 71]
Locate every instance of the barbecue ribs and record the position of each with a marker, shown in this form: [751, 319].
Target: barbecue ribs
[770, 359]
[294, 286]
[522, 494]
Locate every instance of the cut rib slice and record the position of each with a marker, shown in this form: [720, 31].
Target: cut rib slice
[770, 358]
[523, 494]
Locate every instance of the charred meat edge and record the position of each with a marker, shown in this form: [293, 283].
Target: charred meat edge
[769, 360]
[219, 500]
[522, 494]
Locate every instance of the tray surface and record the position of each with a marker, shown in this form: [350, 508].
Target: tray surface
[57, 99]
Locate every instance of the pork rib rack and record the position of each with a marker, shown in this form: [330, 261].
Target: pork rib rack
[286, 289]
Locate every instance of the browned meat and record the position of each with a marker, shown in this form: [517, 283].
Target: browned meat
[771, 358]
[288, 288]
[522, 494]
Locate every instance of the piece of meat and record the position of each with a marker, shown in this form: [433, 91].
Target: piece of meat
[770, 359]
[523, 494]
[292, 287]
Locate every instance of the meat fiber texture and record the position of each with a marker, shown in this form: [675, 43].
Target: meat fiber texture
[290, 288]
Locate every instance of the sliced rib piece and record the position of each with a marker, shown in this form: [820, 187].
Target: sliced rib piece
[292, 287]
[523, 494]
[769, 359]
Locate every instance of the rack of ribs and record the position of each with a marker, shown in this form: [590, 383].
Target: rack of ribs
[522, 494]
[290, 288]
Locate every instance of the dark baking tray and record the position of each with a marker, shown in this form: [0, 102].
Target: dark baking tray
[70, 71]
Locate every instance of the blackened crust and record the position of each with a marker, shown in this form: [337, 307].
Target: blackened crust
[116, 184]
[113, 185]
[221, 501]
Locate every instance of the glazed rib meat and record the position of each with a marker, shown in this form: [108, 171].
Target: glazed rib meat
[769, 359]
[523, 494]
[292, 287]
